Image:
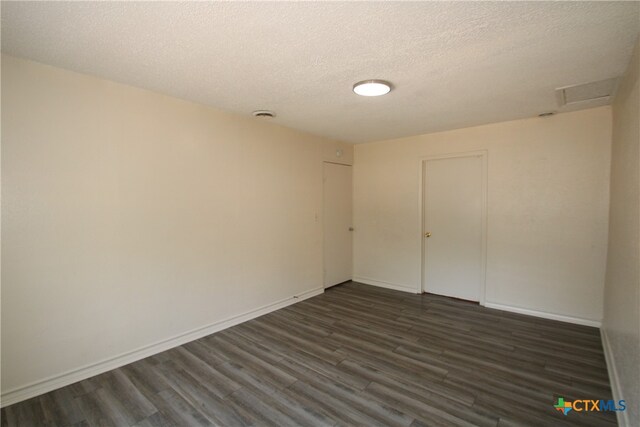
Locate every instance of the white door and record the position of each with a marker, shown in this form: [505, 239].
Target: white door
[337, 224]
[453, 262]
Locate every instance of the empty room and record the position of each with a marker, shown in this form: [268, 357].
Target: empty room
[320, 213]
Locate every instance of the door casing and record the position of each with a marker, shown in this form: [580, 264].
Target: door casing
[325, 228]
[421, 210]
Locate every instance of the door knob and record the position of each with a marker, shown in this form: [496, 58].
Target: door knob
[427, 234]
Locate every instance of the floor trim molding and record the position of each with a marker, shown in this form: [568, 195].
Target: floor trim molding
[383, 284]
[544, 314]
[57, 381]
[614, 378]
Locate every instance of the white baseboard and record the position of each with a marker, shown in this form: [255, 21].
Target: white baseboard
[545, 315]
[57, 381]
[614, 379]
[382, 284]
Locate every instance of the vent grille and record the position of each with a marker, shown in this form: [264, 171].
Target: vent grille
[600, 90]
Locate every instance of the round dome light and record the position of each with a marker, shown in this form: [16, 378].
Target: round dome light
[264, 114]
[372, 87]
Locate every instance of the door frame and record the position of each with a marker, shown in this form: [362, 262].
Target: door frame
[323, 222]
[483, 154]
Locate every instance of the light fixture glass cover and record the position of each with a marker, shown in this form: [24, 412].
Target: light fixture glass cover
[372, 87]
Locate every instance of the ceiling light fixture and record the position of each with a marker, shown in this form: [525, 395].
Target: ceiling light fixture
[264, 114]
[372, 87]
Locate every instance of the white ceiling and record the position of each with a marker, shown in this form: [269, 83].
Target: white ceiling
[453, 64]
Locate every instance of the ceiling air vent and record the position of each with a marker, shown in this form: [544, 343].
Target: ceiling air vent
[601, 90]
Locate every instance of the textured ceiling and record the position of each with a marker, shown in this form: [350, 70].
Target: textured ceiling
[453, 64]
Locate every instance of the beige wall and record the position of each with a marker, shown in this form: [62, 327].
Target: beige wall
[621, 323]
[130, 218]
[548, 183]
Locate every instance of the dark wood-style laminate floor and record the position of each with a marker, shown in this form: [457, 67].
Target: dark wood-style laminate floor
[356, 355]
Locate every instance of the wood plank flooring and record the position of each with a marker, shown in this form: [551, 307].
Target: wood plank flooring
[356, 355]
